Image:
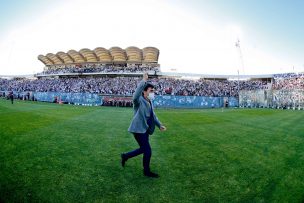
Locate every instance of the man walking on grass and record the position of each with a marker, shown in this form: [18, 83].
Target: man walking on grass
[143, 124]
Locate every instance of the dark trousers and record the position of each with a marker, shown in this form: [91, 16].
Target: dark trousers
[144, 148]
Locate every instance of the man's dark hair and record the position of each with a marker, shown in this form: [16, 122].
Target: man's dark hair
[148, 85]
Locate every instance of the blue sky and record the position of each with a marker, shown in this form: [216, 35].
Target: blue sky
[14, 13]
[275, 24]
[193, 36]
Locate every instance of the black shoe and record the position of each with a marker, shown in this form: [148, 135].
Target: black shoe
[151, 174]
[123, 160]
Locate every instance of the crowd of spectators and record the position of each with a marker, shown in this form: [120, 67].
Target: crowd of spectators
[117, 101]
[202, 87]
[98, 68]
[288, 81]
[287, 75]
[126, 86]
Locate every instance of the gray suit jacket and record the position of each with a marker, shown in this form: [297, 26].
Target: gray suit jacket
[142, 113]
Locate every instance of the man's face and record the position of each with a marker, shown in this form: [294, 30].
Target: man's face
[149, 90]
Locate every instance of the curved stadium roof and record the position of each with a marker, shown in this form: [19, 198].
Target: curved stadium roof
[116, 55]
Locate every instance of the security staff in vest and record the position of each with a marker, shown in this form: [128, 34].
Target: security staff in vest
[143, 124]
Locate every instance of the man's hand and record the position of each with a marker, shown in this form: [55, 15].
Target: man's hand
[163, 128]
[145, 76]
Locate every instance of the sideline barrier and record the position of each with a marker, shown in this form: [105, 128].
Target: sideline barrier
[193, 102]
[74, 98]
[160, 101]
[286, 99]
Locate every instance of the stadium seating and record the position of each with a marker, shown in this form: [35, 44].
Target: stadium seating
[86, 72]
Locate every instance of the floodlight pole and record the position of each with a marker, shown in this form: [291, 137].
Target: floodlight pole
[238, 87]
[238, 46]
[238, 80]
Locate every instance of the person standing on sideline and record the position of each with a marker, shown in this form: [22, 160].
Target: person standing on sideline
[11, 96]
[143, 124]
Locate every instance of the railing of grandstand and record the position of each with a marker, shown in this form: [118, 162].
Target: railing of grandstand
[288, 98]
[139, 73]
[285, 99]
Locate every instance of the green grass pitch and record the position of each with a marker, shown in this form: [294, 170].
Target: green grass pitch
[63, 153]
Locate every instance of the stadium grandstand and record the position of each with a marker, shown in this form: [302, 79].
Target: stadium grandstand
[101, 60]
[109, 77]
